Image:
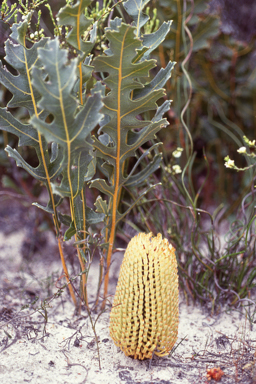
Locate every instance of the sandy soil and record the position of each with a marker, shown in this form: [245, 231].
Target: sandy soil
[47, 342]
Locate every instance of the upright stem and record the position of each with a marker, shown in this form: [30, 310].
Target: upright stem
[117, 188]
[72, 294]
[178, 31]
[48, 180]
[84, 275]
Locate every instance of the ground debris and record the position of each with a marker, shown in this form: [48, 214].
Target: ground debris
[52, 343]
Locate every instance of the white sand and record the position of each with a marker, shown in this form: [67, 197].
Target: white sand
[64, 349]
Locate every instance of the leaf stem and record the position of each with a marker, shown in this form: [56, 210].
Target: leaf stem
[55, 217]
[117, 175]
[66, 272]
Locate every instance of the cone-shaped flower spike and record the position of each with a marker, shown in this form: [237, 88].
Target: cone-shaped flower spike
[145, 313]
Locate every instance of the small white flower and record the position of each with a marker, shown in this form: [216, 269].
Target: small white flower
[177, 153]
[230, 163]
[168, 169]
[176, 169]
[32, 36]
[252, 143]
[242, 150]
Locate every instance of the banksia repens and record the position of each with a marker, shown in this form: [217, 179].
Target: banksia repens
[145, 313]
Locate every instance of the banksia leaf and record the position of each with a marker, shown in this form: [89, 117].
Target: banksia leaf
[135, 9]
[145, 314]
[123, 132]
[73, 15]
[72, 123]
[25, 95]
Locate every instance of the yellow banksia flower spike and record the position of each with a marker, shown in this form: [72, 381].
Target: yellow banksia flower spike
[145, 312]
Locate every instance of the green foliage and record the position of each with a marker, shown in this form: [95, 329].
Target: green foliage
[74, 16]
[118, 132]
[122, 133]
[213, 89]
[55, 86]
[90, 100]
[24, 95]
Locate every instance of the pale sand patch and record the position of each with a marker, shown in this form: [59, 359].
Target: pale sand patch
[63, 350]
